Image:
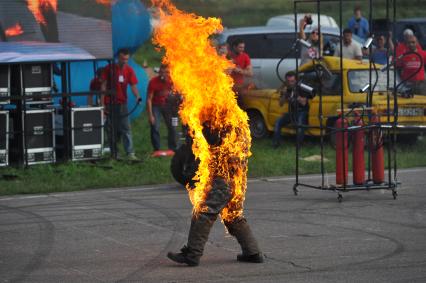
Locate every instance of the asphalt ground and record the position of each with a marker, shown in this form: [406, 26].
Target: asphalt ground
[123, 235]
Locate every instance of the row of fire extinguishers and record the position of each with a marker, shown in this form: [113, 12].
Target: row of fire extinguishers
[358, 162]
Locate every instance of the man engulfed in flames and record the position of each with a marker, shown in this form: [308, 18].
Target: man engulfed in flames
[218, 127]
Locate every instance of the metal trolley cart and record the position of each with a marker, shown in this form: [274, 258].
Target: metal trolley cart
[359, 122]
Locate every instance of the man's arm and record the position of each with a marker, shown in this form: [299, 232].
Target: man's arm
[302, 34]
[358, 52]
[248, 71]
[282, 91]
[135, 92]
[391, 47]
[366, 27]
[103, 88]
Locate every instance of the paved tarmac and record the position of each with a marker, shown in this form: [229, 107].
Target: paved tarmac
[123, 235]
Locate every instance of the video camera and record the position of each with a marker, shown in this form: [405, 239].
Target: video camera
[308, 19]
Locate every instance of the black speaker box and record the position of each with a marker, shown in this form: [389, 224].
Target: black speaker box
[37, 80]
[87, 133]
[39, 136]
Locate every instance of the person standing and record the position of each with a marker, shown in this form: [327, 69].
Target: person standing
[117, 77]
[411, 63]
[402, 47]
[298, 109]
[225, 167]
[157, 105]
[380, 53]
[243, 69]
[350, 49]
[358, 24]
[315, 51]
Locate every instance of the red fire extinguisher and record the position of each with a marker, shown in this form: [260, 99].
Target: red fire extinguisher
[341, 151]
[377, 154]
[358, 164]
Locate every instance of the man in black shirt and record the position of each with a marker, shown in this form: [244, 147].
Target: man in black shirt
[298, 109]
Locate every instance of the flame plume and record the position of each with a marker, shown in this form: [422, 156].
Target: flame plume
[14, 31]
[198, 74]
[38, 6]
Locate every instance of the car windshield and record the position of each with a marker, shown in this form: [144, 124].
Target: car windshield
[359, 78]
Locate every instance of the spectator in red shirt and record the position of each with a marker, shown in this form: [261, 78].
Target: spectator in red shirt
[117, 77]
[157, 105]
[410, 63]
[242, 70]
[402, 47]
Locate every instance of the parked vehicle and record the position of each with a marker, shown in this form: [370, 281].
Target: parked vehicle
[288, 21]
[266, 45]
[263, 107]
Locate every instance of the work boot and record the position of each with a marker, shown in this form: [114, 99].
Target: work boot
[242, 232]
[182, 257]
[197, 239]
[256, 258]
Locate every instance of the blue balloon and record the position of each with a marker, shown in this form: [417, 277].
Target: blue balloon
[131, 25]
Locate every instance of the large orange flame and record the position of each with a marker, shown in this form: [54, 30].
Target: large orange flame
[14, 31]
[199, 75]
[37, 6]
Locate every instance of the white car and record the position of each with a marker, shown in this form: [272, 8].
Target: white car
[288, 21]
[266, 45]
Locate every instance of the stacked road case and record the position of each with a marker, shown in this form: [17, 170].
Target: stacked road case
[39, 137]
[87, 135]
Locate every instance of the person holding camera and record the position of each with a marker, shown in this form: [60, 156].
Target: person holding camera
[298, 109]
[316, 41]
[159, 104]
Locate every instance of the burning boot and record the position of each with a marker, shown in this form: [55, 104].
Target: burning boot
[197, 239]
[240, 229]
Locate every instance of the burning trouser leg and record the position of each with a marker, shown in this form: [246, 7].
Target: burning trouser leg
[240, 229]
[217, 199]
[201, 224]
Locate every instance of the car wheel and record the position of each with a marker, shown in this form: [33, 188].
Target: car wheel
[257, 125]
[183, 165]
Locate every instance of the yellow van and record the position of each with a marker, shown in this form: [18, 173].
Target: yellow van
[263, 107]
